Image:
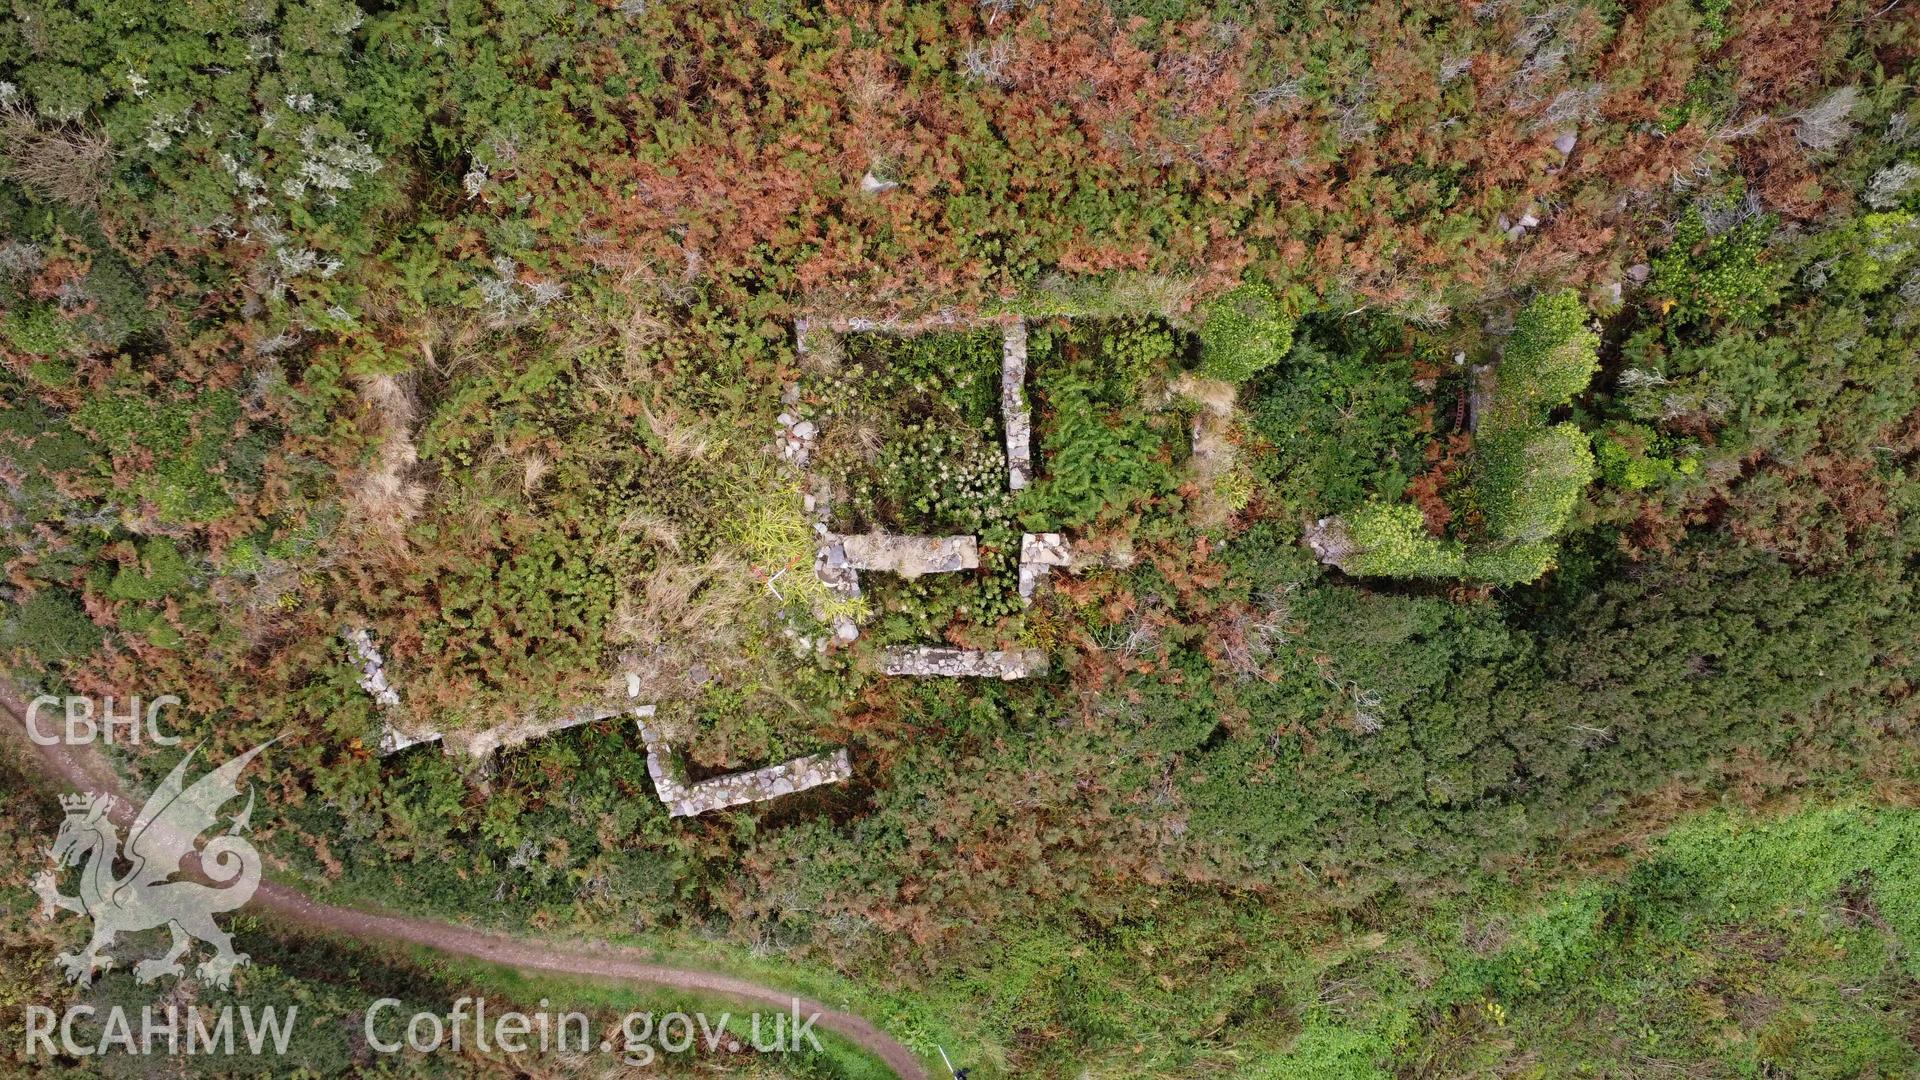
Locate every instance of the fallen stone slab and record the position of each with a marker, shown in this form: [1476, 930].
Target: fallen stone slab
[909, 556]
[939, 662]
[1480, 387]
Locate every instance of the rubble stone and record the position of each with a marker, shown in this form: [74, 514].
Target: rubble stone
[1331, 542]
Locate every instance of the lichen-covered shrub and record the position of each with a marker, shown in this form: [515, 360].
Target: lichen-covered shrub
[1869, 254]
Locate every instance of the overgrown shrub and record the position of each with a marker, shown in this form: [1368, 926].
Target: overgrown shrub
[1528, 480]
[1526, 477]
[1393, 541]
[160, 572]
[1100, 453]
[39, 329]
[1550, 357]
[1243, 332]
[51, 626]
[191, 441]
[1338, 413]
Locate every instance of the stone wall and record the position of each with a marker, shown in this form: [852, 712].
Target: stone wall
[373, 679]
[939, 662]
[1039, 554]
[1015, 415]
[910, 556]
[734, 789]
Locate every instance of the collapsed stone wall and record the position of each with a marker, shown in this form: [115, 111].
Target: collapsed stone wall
[734, 789]
[681, 799]
[1016, 415]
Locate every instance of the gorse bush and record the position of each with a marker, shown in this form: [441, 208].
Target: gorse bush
[1243, 332]
[1527, 480]
[1550, 357]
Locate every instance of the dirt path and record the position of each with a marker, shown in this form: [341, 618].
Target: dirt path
[83, 768]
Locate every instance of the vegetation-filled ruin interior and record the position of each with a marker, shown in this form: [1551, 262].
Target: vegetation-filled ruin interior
[1372, 540]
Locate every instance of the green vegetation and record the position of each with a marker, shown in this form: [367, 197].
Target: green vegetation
[1242, 333]
[1527, 475]
[1424, 697]
[1394, 542]
[1729, 273]
[1099, 456]
[1549, 358]
[1776, 946]
[1528, 481]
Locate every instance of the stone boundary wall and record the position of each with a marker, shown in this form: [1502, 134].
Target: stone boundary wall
[680, 798]
[734, 789]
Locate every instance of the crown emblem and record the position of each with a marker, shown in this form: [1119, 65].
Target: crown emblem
[80, 803]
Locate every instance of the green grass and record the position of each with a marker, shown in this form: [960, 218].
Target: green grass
[1738, 947]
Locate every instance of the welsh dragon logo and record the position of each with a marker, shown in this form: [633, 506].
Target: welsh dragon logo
[144, 898]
